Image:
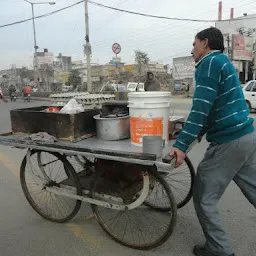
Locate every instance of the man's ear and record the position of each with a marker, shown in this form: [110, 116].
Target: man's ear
[206, 43]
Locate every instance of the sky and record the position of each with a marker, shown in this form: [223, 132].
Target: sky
[64, 32]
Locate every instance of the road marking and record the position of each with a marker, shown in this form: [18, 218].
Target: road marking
[9, 165]
[91, 242]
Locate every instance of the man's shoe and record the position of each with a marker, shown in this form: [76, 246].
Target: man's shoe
[201, 251]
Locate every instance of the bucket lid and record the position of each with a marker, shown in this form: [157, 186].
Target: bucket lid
[149, 94]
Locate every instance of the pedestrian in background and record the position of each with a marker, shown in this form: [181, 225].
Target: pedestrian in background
[151, 84]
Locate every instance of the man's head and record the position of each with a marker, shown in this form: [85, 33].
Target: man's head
[150, 75]
[205, 41]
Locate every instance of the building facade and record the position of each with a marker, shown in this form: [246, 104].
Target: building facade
[240, 44]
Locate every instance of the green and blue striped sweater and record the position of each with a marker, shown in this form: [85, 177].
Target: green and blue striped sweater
[219, 108]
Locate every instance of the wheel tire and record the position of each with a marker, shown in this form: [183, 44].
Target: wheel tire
[70, 173]
[249, 105]
[146, 246]
[189, 194]
[192, 175]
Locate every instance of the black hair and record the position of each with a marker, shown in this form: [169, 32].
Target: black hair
[149, 73]
[214, 36]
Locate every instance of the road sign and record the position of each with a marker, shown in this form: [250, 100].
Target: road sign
[116, 48]
[87, 49]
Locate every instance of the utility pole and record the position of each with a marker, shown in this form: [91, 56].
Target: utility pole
[35, 49]
[87, 48]
[35, 64]
[254, 61]
[229, 50]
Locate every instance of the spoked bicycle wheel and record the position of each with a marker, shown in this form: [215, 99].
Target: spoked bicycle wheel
[139, 228]
[181, 181]
[81, 163]
[50, 170]
[82, 160]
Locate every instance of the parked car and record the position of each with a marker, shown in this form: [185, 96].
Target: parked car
[66, 88]
[133, 87]
[113, 88]
[250, 94]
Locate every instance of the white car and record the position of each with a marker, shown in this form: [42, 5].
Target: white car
[250, 94]
[133, 87]
[113, 88]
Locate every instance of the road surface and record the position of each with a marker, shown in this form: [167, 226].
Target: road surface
[23, 232]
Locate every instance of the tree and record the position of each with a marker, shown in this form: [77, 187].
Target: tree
[25, 73]
[74, 79]
[141, 58]
[47, 76]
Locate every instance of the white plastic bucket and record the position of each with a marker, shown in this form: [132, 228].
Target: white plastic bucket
[149, 115]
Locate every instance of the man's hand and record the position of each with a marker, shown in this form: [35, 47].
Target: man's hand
[180, 156]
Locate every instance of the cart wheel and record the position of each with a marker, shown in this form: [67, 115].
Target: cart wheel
[181, 181]
[82, 164]
[50, 170]
[142, 227]
[82, 160]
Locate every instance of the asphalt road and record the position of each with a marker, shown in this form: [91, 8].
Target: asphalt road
[23, 232]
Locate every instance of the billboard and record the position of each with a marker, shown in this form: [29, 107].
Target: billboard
[129, 68]
[242, 47]
[183, 67]
[62, 77]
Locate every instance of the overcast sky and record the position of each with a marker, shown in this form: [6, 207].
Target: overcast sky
[64, 32]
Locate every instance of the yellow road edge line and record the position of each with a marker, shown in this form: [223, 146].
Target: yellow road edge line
[90, 241]
[4, 160]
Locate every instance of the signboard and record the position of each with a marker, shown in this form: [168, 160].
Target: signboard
[62, 77]
[183, 68]
[87, 49]
[242, 47]
[116, 48]
[129, 68]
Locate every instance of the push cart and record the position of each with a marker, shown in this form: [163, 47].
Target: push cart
[134, 196]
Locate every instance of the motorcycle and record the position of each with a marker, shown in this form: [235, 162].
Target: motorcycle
[2, 97]
[13, 96]
[27, 98]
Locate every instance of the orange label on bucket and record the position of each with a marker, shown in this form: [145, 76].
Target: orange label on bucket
[145, 126]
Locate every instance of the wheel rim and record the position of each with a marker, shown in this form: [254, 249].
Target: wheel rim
[142, 227]
[181, 182]
[82, 164]
[77, 165]
[35, 182]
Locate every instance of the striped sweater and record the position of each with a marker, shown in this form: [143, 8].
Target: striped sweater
[219, 108]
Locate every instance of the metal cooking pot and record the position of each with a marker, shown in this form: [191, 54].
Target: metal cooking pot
[116, 128]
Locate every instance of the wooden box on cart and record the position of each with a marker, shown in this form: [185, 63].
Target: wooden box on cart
[62, 126]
